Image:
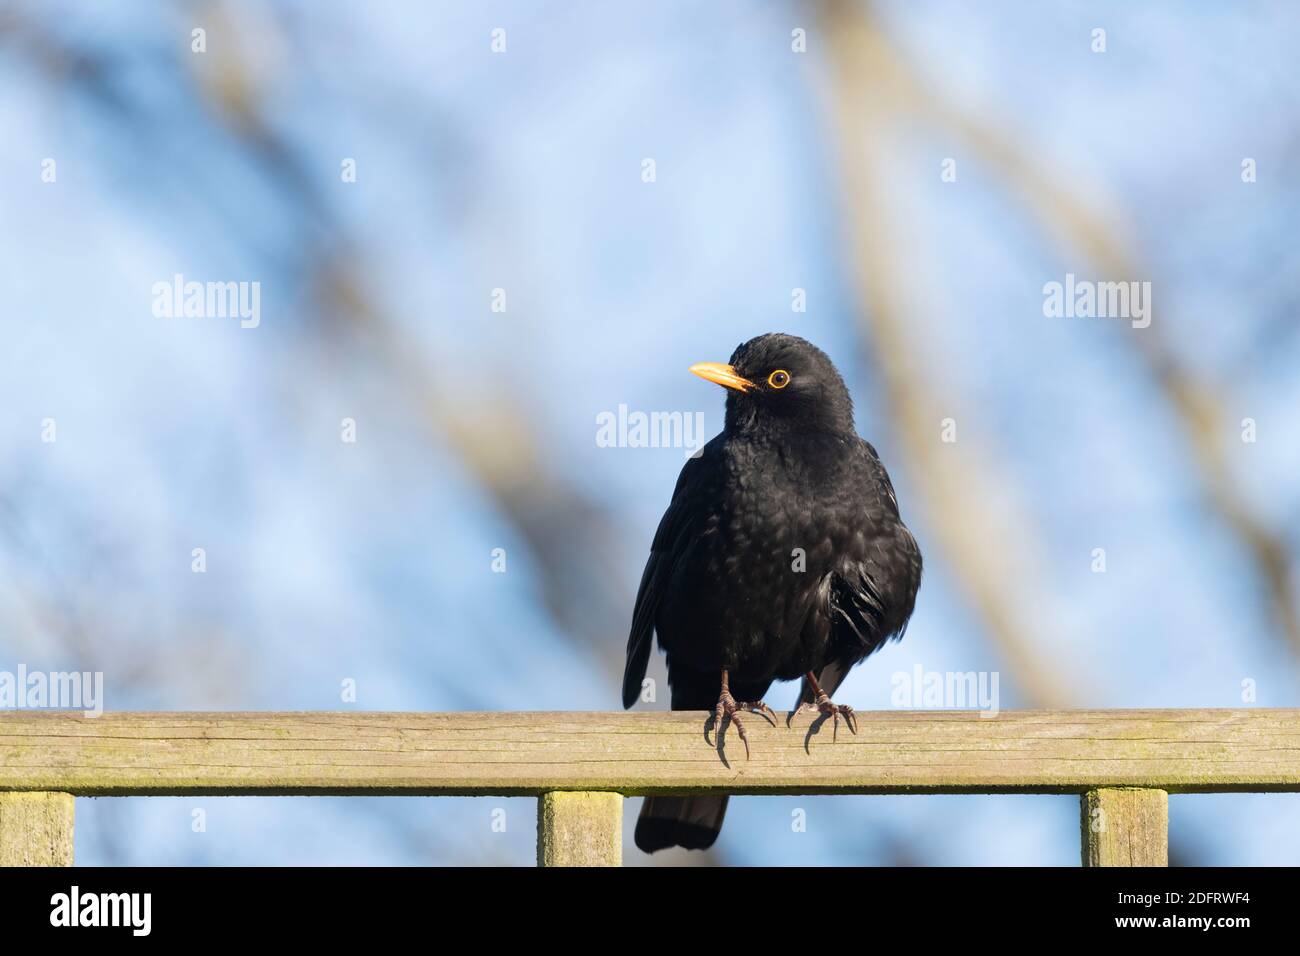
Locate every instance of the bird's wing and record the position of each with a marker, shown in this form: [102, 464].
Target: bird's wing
[856, 612]
[669, 543]
[857, 609]
[854, 596]
[884, 487]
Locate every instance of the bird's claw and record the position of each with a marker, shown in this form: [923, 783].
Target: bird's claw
[729, 707]
[825, 707]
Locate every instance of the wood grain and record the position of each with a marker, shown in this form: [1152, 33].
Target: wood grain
[1179, 751]
[579, 829]
[1123, 827]
[36, 829]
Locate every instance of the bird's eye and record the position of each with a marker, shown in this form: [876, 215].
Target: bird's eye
[779, 379]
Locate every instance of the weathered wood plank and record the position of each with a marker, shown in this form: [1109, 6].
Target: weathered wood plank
[580, 829]
[36, 829]
[635, 753]
[1122, 827]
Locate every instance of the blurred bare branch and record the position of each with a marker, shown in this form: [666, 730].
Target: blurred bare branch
[1077, 226]
[966, 500]
[572, 536]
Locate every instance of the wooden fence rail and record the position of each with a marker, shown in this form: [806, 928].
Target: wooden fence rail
[1122, 763]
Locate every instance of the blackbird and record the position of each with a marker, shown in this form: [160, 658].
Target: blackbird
[781, 555]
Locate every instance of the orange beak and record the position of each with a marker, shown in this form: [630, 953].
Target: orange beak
[720, 374]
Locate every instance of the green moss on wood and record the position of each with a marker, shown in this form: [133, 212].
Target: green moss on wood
[36, 829]
[580, 829]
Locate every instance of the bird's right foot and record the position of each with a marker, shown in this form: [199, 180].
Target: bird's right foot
[730, 708]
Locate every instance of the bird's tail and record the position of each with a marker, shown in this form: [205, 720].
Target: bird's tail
[689, 822]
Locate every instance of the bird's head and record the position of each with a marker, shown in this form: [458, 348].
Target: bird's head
[778, 378]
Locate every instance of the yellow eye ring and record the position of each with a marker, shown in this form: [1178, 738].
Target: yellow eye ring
[779, 379]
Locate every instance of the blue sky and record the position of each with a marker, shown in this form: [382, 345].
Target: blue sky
[371, 561]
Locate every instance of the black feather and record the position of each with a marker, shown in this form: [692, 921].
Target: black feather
[782, 553]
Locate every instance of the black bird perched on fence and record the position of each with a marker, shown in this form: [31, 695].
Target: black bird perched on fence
[781, 555]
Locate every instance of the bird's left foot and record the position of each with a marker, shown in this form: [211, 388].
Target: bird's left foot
[826, 708]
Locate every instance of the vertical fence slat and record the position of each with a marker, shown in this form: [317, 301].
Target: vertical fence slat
[1125, 827]
[36, 829]
[577, 828]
